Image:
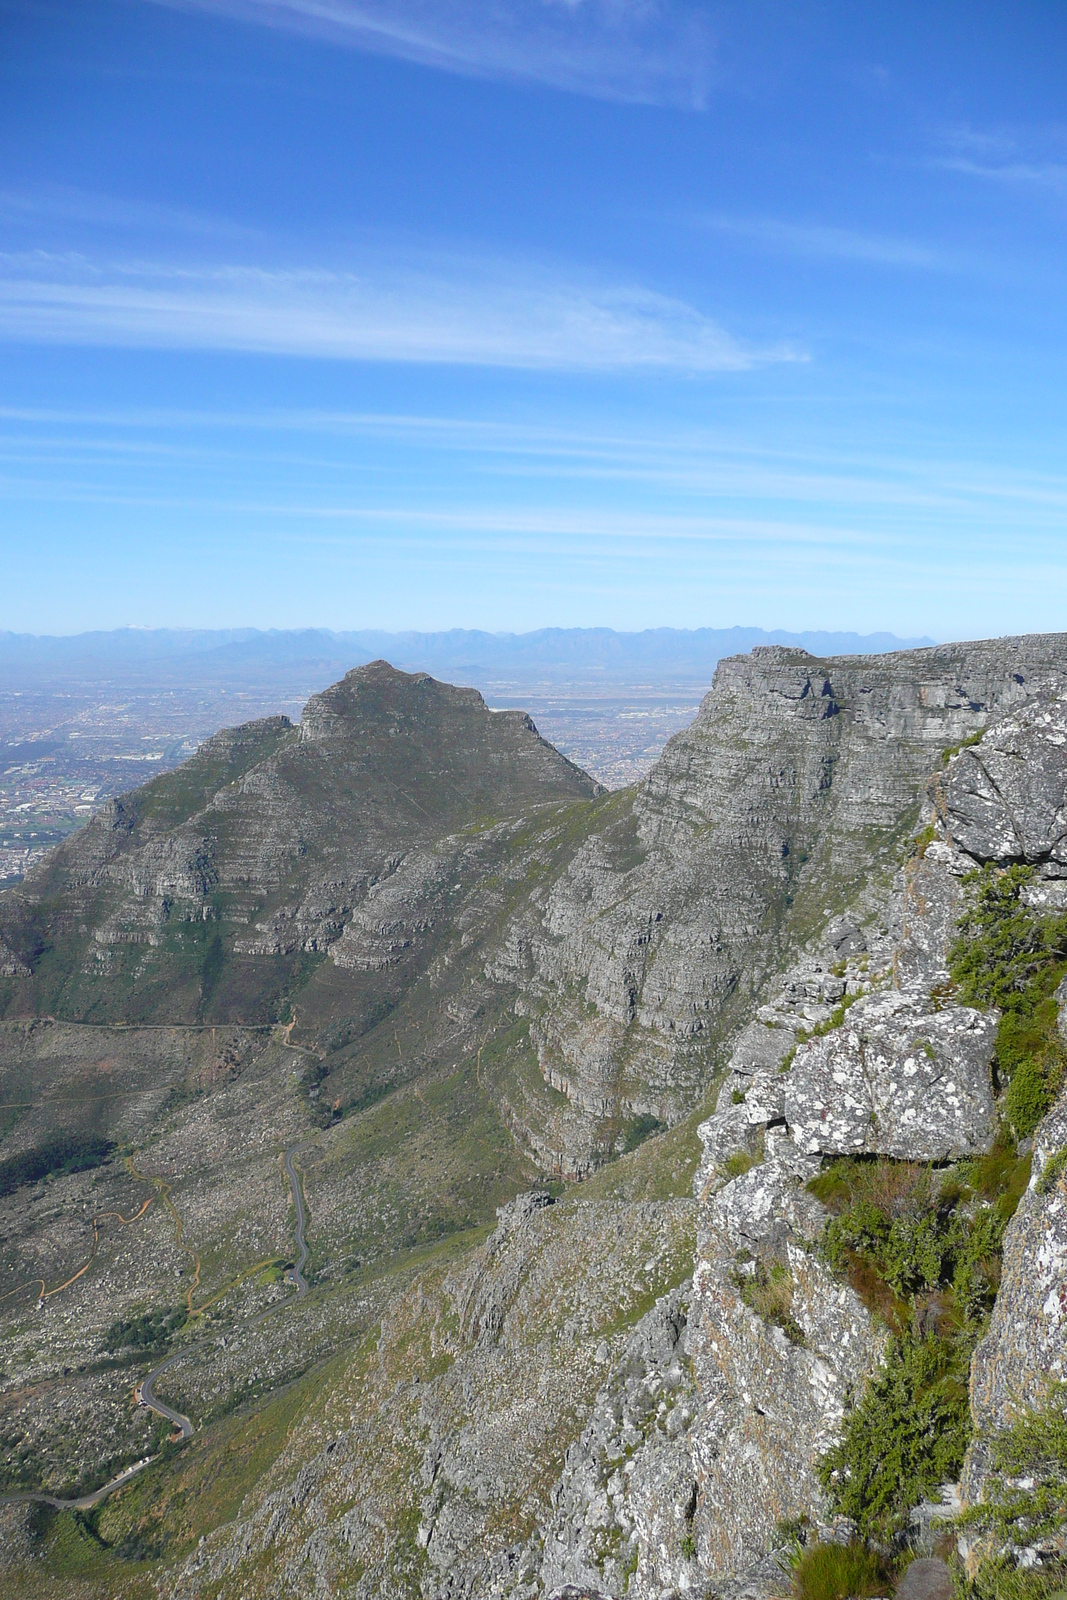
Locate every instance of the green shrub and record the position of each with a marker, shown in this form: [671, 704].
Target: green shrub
[64, 1152]
[1033, 1451]
[838, 1572]
[923, 1251]
[906, 1436]
[737, 1163]
[998, 1578]
[918, 846]
[897, 1228]
[1003, 944]
[1052, 1171]
[1009, 956]
[145, 1331]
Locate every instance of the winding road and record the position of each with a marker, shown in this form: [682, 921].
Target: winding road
[145, 1391]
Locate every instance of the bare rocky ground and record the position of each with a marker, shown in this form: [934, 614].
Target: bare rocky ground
[474, 1401]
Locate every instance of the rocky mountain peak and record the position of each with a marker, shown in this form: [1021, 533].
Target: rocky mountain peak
[379, 694]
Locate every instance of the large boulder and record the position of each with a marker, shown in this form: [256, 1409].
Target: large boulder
[1005, 798]
[896, 1079]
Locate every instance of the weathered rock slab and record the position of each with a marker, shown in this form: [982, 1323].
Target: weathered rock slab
[1005, 799]
[895, 1079]
[1025, 1351]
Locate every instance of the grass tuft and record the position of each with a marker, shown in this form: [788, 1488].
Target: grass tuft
[839, 1572]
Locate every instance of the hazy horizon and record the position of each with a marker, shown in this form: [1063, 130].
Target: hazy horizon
[488, 314]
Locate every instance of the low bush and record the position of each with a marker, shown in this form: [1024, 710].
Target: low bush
[907, 1436]
[1032, 1452]
[1024, 1503]
[998, 1578]
[145, 1331]
[839, 1572]
[922, 1249]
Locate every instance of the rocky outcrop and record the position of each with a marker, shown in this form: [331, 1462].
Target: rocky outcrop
[1005, 798]
[898, 1079]
[774, 1374]
[757, 826]
[622, 1519]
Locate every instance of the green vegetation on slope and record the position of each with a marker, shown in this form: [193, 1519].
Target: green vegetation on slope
[922, 1250]
[839, 1572]
[61, 1152]
[1009, 956]
[1025, 1504]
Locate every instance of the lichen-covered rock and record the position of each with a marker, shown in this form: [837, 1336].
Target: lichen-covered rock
[897, 1079]
[773, 1391]
[623, 1511]
[1005, 799]
[925, 910]
[1025, 1351]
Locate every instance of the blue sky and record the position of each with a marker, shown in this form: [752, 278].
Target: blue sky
[507, 313]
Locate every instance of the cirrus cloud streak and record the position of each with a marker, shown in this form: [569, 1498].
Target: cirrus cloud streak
[654, 52]
[473, 316]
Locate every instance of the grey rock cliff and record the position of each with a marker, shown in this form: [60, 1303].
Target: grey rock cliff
[759, 823]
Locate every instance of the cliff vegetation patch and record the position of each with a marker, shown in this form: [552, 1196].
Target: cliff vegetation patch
[1025, 1507]
[839, 1571]
[922, 1249]
[1010, 956]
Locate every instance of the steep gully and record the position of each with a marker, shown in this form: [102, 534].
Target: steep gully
[145, 1394]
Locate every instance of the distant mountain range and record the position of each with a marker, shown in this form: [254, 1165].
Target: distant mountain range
[458, 655]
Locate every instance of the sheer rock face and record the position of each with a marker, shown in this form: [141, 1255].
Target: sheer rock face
[772, 1397]
[622, 1520]
[756, 825]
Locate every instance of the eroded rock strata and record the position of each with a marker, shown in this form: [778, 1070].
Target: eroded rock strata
[484, 975]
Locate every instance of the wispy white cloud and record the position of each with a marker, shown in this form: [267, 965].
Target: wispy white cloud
[470, 313]
[62, 203]
[643, 51]
[820, 240]
[331, 449]
[1031, 158]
